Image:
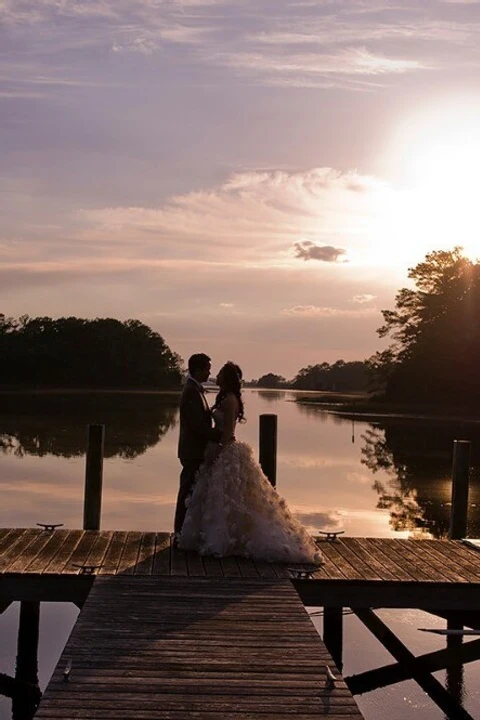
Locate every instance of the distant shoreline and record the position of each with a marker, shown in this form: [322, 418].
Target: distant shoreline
[348, 405]
[343, 404]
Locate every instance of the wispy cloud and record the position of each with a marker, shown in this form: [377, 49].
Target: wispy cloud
[252, 217]
[312, 311]
[339, 30]
[298, 68]
[296, 46]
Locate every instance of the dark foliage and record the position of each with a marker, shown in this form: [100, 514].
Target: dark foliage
[270, 380]
[436, 332]
[341, 376]
[75, 352]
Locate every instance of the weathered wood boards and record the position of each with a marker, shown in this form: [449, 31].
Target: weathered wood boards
[195, 647]
[437, 574]
[62, 551]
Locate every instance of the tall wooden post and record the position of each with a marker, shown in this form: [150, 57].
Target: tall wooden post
[26, 671]
[268, 446]
[460, 478]
[93, 478]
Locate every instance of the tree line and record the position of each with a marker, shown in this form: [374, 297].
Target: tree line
[433, 356]
[340, 376]
[75, 352]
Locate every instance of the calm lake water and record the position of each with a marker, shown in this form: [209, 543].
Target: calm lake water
[388, 477]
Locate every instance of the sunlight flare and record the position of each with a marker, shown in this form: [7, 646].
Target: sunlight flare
[438, 156]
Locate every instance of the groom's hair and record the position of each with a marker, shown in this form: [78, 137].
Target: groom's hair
[197, 362]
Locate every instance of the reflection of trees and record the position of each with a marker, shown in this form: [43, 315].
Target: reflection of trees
[271, 395]
[313, 410]
[416, 458]
[54, 424]
[400, 501]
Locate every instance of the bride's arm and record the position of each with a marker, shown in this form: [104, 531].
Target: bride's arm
[230, 412]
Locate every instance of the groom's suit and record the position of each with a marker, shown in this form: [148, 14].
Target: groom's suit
[195, 432]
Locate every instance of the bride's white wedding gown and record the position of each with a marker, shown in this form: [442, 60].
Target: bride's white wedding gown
[234, 510]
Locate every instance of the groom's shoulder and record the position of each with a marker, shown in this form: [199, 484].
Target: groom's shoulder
[189, 388]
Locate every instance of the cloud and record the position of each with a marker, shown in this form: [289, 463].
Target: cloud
[307, 250]
[251, 217]
[363, 298]
[348, 67]
[325, 312]
[320, 520]
[292, 47]
[141, 44]
[337, 32]
[350, 61]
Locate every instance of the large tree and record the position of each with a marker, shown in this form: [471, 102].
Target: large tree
[271, 380]
[434, 328]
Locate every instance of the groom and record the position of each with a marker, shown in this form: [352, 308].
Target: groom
[195, 430]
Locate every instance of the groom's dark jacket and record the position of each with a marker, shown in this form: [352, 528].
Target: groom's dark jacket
[195, 423]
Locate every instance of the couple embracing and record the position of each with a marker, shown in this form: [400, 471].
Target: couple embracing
[226, 505]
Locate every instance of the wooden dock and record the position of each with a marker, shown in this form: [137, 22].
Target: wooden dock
[168, 634]
[154, 648]
[40, 565]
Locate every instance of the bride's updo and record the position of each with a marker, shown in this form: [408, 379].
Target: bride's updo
[230, 380]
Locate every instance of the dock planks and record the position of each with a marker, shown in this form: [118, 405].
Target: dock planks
[362, 572]
[195, 647]
[39, 552]
[170, 634]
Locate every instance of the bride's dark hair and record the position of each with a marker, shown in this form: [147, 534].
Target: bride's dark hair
[232, 381]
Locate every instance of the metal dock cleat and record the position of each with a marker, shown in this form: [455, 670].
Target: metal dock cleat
[331, 535]
[301, 572]
[50, 527]
[86, 569]
[67, 670]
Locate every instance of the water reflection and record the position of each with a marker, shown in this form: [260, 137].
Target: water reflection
[271, 395]
[415, 459]
[56, 424]
[381, 477]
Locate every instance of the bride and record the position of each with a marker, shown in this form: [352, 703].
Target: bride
[234, 510]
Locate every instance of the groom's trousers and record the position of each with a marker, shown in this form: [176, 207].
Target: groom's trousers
[187, 481]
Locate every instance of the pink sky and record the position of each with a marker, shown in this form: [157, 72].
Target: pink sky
[252, 178]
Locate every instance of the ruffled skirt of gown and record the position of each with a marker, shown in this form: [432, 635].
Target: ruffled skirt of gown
[234, 510]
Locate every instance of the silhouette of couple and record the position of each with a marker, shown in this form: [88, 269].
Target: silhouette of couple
[226, 505]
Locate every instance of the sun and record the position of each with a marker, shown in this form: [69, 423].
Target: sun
[437, 158]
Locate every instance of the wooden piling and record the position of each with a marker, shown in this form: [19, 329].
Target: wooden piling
[333, 633]
[268, 446]
[454, 679]
[460, 480]
[24, 703]
[93, 478]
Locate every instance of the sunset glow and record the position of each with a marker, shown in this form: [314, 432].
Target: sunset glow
[206, 166]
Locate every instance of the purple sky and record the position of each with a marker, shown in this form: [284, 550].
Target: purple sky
[252, 178]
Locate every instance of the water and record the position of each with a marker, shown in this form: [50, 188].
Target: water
[385, 478]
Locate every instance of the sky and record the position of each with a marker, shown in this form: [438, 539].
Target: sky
[250, 178]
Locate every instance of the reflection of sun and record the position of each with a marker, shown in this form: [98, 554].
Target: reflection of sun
[437, 156]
